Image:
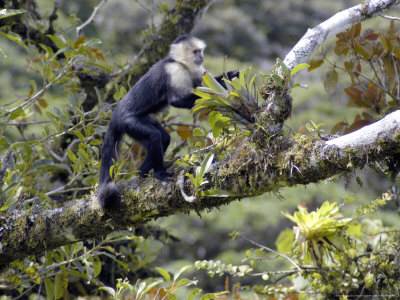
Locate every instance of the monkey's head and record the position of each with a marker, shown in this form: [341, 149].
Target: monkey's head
[188, 50]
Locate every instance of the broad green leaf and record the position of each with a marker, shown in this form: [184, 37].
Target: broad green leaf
[277, 79]
[180, 271]
[57, 41]
[164, 274]
[205, 166]
[191, 177]
[8, 204]
[284, 242]
[193, 293]
[141, 288]
[108, 289]
[151, 285]
[212, 83]
[285, 69]
[185, 281]
[298, 68]
[15, 38]
[198, 132]
[17, 113]
[5, 13]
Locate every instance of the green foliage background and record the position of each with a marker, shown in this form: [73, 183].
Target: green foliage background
[251, 33]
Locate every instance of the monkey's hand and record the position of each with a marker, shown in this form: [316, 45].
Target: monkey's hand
[230, 75]
[233, 74]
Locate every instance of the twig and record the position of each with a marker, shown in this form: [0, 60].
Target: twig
[388, 17]
[25, 123]
[4, 163]
[91, 18]
[144, 6]
[38, 94]
[273, 251]
[58, 157]
[62, 190]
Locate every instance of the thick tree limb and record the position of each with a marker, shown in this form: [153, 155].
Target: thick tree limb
[340, 22]
[252, 169]
[247, 172]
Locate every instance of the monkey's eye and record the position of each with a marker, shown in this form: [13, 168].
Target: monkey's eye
[197, 51]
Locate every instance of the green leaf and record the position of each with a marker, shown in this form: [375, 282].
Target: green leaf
[185, 281]
[141, 288]
[108, 289]
[198, 132]
[298, 68]
[164, 274]
[285, 69]
[49, 286]
[17, 113]
[8, 204]
[180, 271]
[205, 166]
[72, 156]
[15, 38]
[191, 178]
[193, 293]
[277, 79]
[151, 285]
[285, 241]
[5, 13]
[57, 41]
[213, 84]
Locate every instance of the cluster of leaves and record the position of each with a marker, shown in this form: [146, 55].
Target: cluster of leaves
[317, 233]
[83, 267]
[329, 256]
[372, 62]
[217, 268]
[58, 141]
[238, 102]
[164, 288]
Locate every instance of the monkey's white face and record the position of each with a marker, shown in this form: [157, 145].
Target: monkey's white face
[189, 53]
[198, 56]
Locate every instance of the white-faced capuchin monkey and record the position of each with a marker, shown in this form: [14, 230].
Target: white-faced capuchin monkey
[169, 82]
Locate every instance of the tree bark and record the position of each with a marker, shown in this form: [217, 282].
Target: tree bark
[340, 22]
[247, 172]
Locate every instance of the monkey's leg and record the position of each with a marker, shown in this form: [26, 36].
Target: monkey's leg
[165, 137]
[159, 168]
[141, 129]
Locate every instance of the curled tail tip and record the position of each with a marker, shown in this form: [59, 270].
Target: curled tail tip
[109, 195]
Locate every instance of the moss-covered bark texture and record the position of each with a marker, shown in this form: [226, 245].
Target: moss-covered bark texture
[249, 171]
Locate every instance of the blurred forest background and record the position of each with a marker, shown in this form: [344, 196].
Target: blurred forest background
[250, 33]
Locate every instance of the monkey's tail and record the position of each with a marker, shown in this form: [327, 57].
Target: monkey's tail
[109, 195]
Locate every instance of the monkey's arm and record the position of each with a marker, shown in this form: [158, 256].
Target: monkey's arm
[185, 102]
[189, 100]
[230, 75]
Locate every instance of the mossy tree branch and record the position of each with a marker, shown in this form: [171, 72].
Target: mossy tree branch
[249, 171]
[260, 165]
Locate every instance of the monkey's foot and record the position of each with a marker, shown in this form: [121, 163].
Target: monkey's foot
[162, 175]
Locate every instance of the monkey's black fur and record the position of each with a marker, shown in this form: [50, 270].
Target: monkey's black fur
[154, 91]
